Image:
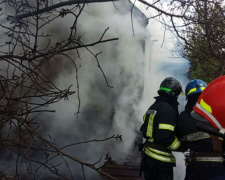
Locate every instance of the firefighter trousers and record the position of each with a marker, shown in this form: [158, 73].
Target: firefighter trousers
[155, 171]
[203, 170]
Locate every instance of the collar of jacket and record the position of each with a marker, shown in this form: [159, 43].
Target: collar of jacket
[167, 97]
[191, 101]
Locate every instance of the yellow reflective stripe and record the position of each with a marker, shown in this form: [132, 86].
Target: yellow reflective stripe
[214, 159]
[208, 114]
[150, 125]
[160, 152]
[206, 106]
[160, 157]
[144, 118]
[191, 90]
[151, 139]
[202, 88]
[175, 144]
[195, 89]
[166, 126]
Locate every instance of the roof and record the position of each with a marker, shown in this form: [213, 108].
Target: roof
[127, 170]
[135, 10]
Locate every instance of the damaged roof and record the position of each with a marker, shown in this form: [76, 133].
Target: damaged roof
[127, 170]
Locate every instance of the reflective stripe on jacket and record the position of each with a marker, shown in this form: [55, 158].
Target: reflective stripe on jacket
[195, 136]
[199, 143]
[194, 139]
[160, 155]
[204, 157]
[158, 128]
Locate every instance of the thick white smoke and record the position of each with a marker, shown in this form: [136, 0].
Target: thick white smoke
[104, 111]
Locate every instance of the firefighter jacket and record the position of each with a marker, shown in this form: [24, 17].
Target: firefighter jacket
[158, 129]
[197, 141]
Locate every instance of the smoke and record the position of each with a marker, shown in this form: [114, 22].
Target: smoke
[104, 111]
[132, 69]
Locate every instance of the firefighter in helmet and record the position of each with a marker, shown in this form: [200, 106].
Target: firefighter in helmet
[210, 111]
[158, 130]
[202, 162]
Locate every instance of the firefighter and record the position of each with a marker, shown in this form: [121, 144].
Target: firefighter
[210, 110]
[158, 130]
[202, 162]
